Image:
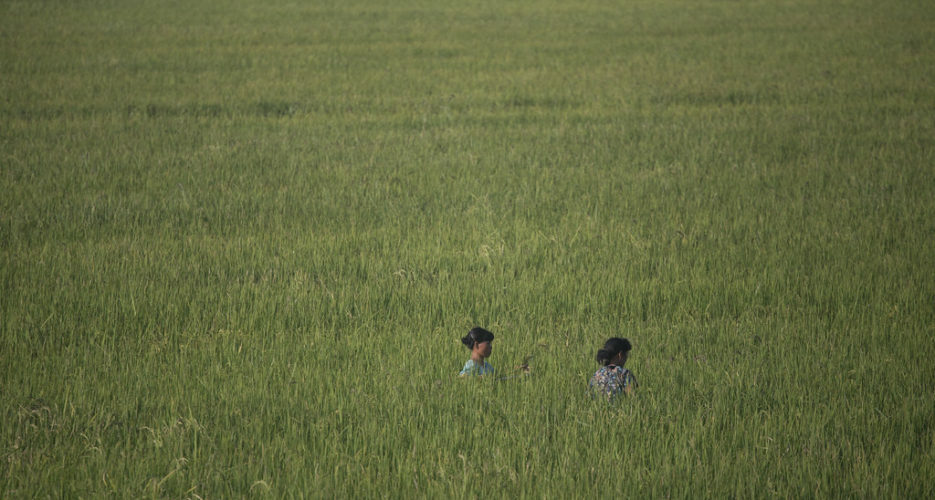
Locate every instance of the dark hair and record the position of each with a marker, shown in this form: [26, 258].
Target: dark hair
[613, 347]
[477, 334]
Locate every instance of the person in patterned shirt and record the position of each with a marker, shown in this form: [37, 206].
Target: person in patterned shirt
[478, 341]
[612, 378]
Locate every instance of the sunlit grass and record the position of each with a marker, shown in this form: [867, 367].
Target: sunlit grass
[239, 243]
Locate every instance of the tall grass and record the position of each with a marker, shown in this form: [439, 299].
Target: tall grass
[239, 242]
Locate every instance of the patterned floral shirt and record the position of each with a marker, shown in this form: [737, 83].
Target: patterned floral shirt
[471, 368]
[610, 381]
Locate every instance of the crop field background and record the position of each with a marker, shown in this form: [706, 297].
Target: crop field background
[240, 241]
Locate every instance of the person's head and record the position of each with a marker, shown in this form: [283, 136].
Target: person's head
[478, 341]
[614, 352]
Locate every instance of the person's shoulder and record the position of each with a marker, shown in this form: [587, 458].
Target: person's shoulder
[468, 368]
[470, 365]
[617, 372]
[626, 378]
[603, 374]
[609, 369]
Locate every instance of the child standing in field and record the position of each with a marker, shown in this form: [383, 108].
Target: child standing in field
[612, 378]
[478, 341]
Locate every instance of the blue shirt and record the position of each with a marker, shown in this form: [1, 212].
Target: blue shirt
[472, 368]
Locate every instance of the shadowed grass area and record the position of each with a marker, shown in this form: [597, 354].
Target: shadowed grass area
[239, 242]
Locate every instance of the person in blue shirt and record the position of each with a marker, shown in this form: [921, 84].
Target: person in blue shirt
[478, 341]
[612, 378]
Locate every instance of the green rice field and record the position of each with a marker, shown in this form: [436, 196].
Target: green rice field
[240, 241]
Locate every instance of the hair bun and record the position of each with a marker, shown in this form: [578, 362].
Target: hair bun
[604, 356]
